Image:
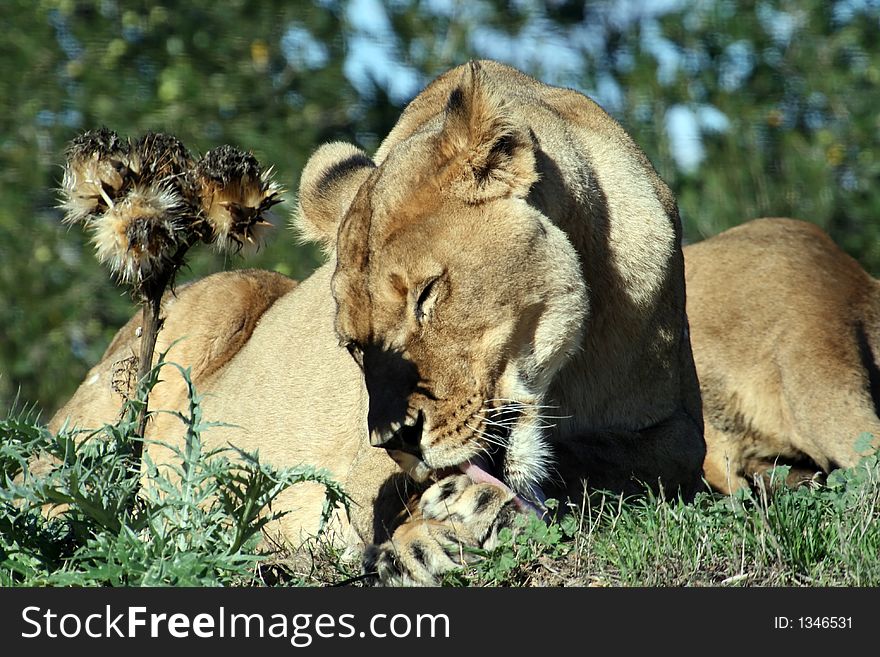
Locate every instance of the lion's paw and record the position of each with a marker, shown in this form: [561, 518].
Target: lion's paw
[454, 516]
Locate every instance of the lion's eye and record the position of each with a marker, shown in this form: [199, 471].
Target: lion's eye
[426, 299]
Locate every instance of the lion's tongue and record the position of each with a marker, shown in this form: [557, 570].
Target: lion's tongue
[479, 475]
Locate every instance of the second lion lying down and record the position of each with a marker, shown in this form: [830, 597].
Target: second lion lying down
[786, 333]
[502, 313]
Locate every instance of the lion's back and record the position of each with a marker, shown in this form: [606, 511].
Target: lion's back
[815, 288]
[207, 322]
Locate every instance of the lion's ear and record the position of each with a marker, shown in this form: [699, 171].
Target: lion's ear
[329, 182]
[484, 154]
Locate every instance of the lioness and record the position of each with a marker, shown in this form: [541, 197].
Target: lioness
[503, 313]
[785, 329]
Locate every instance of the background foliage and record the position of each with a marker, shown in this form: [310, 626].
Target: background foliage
[746, 109]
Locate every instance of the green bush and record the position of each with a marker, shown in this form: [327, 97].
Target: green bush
[193, 521]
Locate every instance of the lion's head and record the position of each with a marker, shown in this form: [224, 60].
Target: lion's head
[458, 299]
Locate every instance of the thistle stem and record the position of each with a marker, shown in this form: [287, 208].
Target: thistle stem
[151, 324]
[152, 292]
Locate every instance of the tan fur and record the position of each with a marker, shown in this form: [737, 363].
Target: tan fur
[326, 189]
[785, 329]
[209, 320]
[264, 354]
[508, 248]
[559, 281]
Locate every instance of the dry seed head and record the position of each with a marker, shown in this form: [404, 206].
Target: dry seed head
[141, 233]
[146, 201]
[94, 175]
[160, 157]
[234, 195]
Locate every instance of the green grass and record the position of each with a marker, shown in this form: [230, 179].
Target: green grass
[198, 519]
[774, 536]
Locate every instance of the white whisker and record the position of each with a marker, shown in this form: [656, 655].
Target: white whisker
[493, 440]
[495, 423]
[538, 421]
[542, 425]
[519, 403]
[555, 417]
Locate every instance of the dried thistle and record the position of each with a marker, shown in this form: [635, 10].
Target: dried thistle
[146, 203]
[141, 234]
[157, 156]
[234, 194]
[131, 199]
[96, 171]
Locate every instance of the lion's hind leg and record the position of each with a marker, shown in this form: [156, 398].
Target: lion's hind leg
[723, 468]
[735, 461]
[205, 324]
[830, 393]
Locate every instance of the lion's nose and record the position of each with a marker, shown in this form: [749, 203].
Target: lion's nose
[404, 437]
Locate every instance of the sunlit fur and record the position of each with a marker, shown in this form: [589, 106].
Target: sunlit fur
[560, 283]
[786, 334]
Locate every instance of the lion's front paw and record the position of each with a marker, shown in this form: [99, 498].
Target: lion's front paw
[454, 516]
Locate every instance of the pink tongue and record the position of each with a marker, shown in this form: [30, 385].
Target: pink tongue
[479, 476]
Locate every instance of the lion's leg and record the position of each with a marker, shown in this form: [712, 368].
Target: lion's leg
[735, 461]
[668, 455]
[722, 467]
[205, 324]
[827, 425]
